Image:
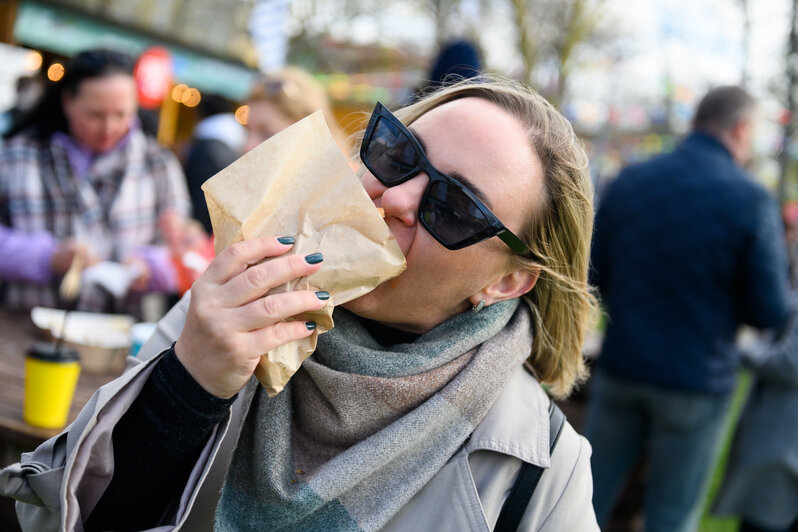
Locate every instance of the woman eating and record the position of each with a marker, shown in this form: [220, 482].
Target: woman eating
[422, 409]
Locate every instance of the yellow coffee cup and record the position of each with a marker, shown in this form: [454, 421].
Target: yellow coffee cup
[51, 374]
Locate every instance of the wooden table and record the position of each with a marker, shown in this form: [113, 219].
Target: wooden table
[17, 334]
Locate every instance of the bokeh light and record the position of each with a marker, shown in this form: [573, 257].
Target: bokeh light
[191, 97]
[339, 87]
[33, 61]
[178, 91]
[242, 115]
[55, 72]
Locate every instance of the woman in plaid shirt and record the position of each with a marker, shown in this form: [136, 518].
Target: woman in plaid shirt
[78, 177]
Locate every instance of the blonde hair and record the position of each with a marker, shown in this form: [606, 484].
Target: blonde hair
[558, 232]
[297, 94]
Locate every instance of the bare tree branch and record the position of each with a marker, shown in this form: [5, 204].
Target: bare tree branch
[527, 45]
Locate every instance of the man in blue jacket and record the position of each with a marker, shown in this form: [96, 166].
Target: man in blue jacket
[687, 247]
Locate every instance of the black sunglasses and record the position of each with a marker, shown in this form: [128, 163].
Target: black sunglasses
[448, 210]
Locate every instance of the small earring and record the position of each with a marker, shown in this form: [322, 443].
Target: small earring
[478, 306]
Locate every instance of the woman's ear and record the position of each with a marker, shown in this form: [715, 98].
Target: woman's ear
[510, 286]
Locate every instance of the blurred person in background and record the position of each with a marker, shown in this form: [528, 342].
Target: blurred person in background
[456, 61]
[687, 247]
[417, 411]
[218, 140]
[277, 100]
[761, 481]
[283, 97]
[79, 180]
[29, 90]
[789, 213]
[760, 485]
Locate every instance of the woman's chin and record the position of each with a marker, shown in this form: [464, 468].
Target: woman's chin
[375, 306]
[363, 306]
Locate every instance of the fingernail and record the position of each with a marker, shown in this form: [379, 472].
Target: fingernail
[324, 295]
[310, 325]
[287, 240]
[314, 258]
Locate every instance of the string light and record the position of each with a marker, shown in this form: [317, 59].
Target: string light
[55, 72]
[242, 115]
[178, 91]
[33, 61]
[191, 97]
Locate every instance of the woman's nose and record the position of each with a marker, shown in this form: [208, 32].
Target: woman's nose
[105, 125]
[400, 201]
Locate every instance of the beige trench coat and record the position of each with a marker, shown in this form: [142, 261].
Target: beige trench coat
[58, 484]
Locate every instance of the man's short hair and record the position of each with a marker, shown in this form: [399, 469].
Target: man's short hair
[722, 108]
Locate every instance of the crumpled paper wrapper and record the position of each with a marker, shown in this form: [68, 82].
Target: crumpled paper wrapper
[299, 184]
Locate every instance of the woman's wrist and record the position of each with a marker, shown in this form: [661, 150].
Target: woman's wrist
[184, 389]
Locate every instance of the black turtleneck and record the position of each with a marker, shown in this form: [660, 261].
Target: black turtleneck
[388, 336]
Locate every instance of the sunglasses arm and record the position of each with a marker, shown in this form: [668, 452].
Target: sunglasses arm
[515, 243]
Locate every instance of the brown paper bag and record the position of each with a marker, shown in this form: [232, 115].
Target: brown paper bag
[299, 184]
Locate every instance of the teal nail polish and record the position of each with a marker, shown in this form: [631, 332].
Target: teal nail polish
[310, 325]
[314, 258]
[287, 240]
[324, 295]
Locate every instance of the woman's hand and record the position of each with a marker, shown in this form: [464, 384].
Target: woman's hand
[143, 277]
[231, 322]
[66, 252]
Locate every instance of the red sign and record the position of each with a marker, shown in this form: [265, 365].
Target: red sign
[153, 75]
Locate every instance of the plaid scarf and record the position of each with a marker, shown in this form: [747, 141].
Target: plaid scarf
[361, 428]
[114, 205]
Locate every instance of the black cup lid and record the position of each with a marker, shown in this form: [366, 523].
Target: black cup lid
[52, 353]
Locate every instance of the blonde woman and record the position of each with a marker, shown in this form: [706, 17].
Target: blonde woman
[276, 101]
[283, 97]
[417, 411]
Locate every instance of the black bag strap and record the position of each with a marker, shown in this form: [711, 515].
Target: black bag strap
[527, 480]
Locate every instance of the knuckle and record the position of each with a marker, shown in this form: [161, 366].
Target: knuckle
[199, 290]
[234, 251]
[204, 313]
[231, 252]
[271, 307]
[229, 343]
[256, 277]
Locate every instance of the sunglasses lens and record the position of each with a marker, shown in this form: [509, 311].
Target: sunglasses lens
[451, 215]
[389, 153]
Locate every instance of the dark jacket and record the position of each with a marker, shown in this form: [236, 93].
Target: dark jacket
[205, 158]
[687, 247]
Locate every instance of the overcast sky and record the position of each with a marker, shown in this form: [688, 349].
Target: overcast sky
[700, 42]
[696, 43]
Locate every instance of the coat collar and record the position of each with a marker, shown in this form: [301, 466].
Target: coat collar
[518, 422]
[706, 140]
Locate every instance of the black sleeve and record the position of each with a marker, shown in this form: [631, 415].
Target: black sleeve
[156, 445]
